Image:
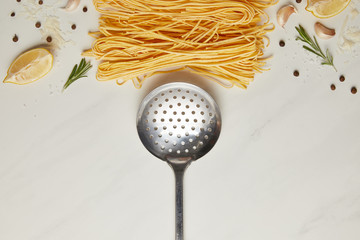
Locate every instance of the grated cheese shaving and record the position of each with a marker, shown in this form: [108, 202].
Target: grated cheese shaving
[48, 14]
[349, 36]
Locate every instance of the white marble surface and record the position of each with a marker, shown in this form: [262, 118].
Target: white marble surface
[286, 165]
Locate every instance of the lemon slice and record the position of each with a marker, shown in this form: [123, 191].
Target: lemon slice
[29, 66]
[326, 8]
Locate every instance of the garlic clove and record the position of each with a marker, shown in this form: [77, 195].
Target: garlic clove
[284, 13]
[71, 5]
[324, 32]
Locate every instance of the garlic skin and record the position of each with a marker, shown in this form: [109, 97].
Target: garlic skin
[324, 32]
[71, 5]
[284, 13]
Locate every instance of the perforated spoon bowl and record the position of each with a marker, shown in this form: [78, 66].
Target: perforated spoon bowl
[178, 123]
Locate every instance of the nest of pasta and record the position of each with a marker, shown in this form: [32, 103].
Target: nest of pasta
[218, 39]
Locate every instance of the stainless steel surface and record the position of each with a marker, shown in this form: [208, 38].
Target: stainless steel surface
[178, 123]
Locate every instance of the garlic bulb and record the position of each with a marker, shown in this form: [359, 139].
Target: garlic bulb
[71, 5]
[284, 13]
[323, 32]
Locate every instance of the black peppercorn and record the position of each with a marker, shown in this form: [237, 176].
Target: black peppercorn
[353, 90]
[342, 78]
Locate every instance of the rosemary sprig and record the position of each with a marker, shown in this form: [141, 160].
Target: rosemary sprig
[78, 72]
[314, 47]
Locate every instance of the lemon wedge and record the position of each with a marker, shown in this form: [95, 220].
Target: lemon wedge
[326, 8]
[30, 66]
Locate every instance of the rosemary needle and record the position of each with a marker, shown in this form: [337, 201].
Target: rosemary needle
[78, 72]
[314, 47]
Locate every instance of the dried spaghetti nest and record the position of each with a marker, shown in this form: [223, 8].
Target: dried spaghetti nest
[220, 39]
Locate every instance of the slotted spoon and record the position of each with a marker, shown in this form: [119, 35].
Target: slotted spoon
[178, 123]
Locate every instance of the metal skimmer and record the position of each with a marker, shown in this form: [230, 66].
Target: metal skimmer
[178, 123]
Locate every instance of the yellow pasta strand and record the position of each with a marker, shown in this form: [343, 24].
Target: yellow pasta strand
[222, 40]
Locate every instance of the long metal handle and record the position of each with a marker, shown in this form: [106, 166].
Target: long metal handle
[179, 171]
[179, 213]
